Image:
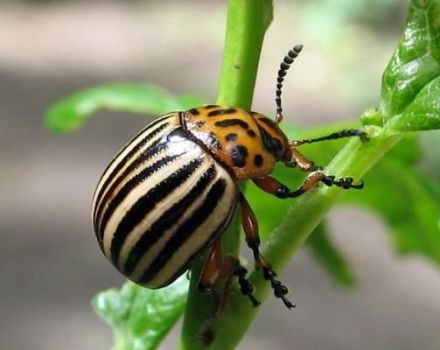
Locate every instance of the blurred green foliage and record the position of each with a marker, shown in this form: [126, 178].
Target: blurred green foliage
[72, 111]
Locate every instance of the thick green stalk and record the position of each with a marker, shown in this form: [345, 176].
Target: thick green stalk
[247, 23]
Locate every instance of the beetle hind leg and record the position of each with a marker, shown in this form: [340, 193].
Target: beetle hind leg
[246, 287]
[250, 227]
[215, 270]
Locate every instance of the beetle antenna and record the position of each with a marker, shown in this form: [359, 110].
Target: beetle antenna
[284, 66]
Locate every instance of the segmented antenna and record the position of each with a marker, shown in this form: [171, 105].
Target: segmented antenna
[284, 66]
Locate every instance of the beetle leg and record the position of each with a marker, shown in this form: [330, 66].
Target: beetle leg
[273, 186]
[215, 269]
[298, 160]
[240, 272]
[250, 227]
[212, 269]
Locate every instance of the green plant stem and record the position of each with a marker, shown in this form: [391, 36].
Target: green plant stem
[247, 23]
[356, 158]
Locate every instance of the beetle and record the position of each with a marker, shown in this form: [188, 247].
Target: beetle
[170, 193]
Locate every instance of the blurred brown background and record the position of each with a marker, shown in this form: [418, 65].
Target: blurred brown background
[50, 265]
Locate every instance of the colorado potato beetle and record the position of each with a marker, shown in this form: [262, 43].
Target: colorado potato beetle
[169, 194]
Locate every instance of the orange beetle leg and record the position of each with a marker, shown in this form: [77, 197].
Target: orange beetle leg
[273, 186]
[300, 161]
[212, 269]
[216, 270]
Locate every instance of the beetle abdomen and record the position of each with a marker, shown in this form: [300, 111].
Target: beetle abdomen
[160, 202]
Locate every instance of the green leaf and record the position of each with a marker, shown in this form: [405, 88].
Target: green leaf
[423, 113]
[406, 200]
[72, 111]
[416, 60]
[330, 258]
[141, 317]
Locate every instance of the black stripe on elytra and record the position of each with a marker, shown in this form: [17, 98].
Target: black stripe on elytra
[128, 187]
[149, 135]
[166, 221]
[258, 160]
[232, 122]
[273, 145]
[222, 111]
[187, 228]
[209, 106]
[213, 237]
[231, 137]
[148, 202]
[239, 154]
[155, 148]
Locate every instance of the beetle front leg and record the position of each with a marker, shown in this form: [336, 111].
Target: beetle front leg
[273, 186]
[250, 227]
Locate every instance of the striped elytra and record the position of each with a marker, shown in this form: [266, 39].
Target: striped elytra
[161, 201]
[170, 193]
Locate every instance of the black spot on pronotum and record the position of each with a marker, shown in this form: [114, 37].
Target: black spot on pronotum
[213, 141]
[232, 122]
[258, 160]
[209, 106]
[239, 154]
[269, 122]
[224, 111]
[194, 111]
[272, 144]
[251, 133]
[231, 137]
